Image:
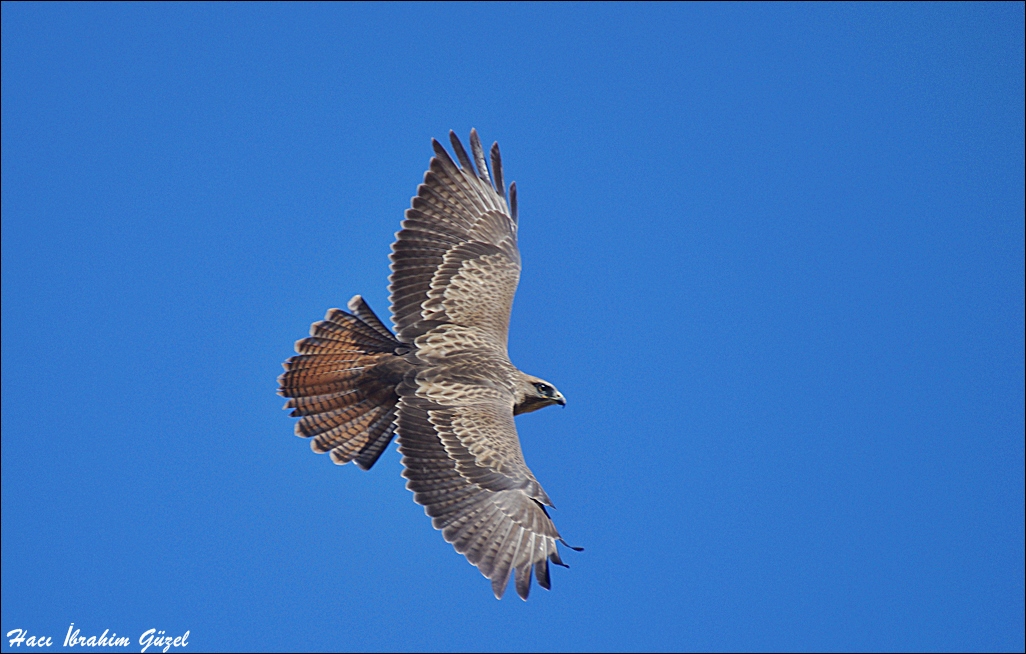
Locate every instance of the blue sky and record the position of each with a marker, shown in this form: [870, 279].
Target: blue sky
[773, 256]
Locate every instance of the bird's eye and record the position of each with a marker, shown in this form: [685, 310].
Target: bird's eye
[544, 389]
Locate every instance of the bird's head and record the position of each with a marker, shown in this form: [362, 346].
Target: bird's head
[534, 393]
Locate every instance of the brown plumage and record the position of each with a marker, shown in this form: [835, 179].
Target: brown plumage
[444, 382]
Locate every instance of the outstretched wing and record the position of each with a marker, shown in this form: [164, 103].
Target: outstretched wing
[455, 261]
[455, 268]
[464, 465]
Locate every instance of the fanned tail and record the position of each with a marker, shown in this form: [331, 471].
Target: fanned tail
[341, 385]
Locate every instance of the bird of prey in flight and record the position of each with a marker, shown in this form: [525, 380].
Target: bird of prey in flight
[443, 382]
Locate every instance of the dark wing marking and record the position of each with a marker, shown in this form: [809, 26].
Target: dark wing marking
[513, 202]
[461, 154]
[458, 241]
[497, 170]
[479, 159]
[464, 465]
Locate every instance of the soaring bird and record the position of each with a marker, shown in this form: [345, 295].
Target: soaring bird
[443, 382]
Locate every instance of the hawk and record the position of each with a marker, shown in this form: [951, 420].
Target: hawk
[443, 382]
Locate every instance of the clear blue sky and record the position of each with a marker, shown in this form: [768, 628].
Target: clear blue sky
[773, 256]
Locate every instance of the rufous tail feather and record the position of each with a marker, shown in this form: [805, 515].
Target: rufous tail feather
[341, 385]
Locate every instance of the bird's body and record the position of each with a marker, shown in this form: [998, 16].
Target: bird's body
[444, 381]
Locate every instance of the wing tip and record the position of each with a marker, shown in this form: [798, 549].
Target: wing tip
[461, 153]
[499, 583]
[566, 544]
[513, 202]
[479, 158]
[523, 581]
[497, 183]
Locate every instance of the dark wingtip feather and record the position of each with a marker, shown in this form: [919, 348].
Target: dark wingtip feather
[441, 153]
[497, 169]
[513, 201]
[541, 572]
[576, 549]
[479, 158]
[554, 557]
[499, 586]
[523, 581]
[461, 154]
